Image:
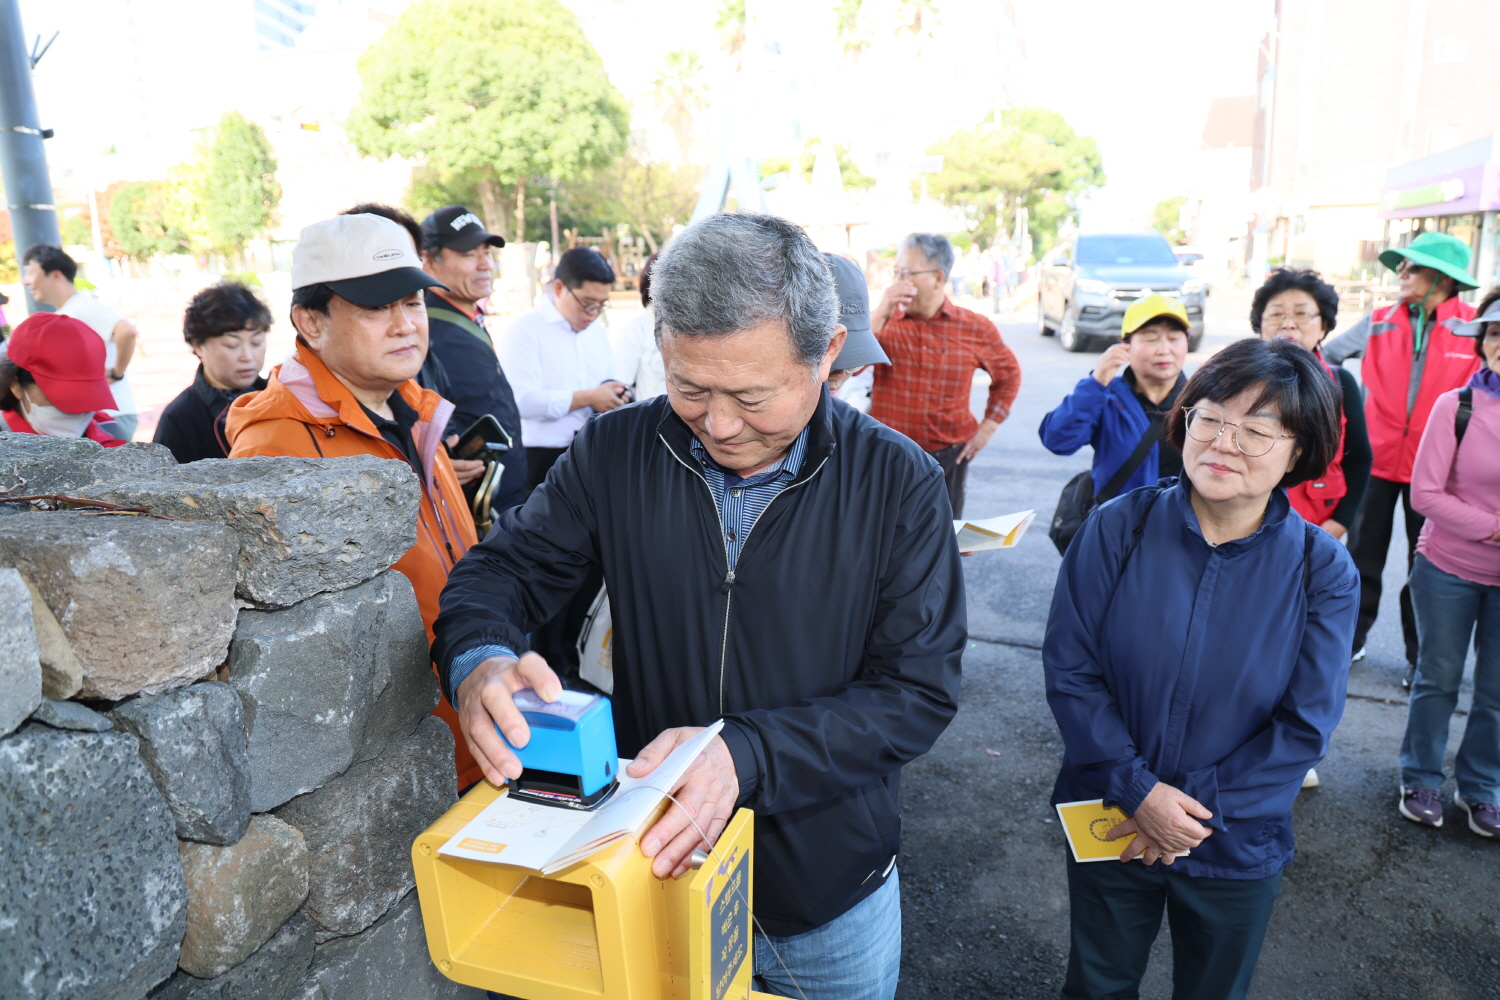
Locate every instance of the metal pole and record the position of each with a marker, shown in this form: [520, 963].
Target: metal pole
[23, 161]
[556, 246]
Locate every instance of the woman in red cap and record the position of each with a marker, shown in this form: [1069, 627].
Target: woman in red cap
[52, 381]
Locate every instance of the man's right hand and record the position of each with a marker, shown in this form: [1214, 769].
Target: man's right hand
[893, 304]
[1110, 363]
[485, 701]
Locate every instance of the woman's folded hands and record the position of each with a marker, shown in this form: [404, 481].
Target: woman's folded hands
[1165, 825]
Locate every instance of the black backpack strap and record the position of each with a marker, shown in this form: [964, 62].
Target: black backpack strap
[1307, 546]
[1124, 472]
[1462, 414]
[1135, 536]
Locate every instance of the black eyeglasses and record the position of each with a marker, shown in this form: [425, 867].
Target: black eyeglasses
[591, 306]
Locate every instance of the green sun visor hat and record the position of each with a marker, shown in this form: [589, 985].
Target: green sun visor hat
[1439, 251]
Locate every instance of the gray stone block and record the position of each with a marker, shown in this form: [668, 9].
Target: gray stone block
[146, 604]
[71, 715]
[62, 674]
[193, 742]
[94, 903]
[20, 660]
[305, 525]
[70, 465]
[239, 895]
[359, 828]
[329, 681]
[390, 960]
[265, 975]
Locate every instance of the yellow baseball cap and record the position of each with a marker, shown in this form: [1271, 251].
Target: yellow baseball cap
[1144, 310]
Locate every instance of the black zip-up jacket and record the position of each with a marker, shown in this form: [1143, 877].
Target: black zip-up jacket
[192, 425]
[832, 651]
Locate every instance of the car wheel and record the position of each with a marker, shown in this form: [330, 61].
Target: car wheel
[1042, 329]
[1068, 335]
[1194, 343]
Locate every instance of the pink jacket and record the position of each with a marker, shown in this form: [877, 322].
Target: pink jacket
[1460, 498]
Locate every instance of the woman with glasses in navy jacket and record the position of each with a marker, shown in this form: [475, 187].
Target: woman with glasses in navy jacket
[1196, 658]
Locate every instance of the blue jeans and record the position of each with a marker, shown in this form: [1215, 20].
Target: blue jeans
[1449, 609]
[856, 956]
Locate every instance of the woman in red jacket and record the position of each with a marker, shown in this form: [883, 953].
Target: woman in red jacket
[1300, 306]
[1409, 357]
[52, 381]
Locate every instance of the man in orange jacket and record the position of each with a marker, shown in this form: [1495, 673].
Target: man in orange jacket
[348, 390]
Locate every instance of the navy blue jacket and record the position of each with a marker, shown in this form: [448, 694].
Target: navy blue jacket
[1209, 668]
[832, 651]
[477, 385]
[1111, 419]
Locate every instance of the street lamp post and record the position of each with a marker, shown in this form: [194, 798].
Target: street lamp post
[23, 161]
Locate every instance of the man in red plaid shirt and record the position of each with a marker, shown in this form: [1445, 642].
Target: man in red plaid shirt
[934, 347]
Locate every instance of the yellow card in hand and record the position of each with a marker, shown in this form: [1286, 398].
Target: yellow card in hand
[1087, 824]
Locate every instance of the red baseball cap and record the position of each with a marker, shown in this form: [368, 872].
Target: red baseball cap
[67, 360]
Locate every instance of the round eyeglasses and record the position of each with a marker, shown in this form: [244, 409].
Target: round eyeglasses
[1254, 438]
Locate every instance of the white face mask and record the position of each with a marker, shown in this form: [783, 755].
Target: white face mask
[52, 422]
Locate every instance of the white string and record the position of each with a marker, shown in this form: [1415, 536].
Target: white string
[740, 890]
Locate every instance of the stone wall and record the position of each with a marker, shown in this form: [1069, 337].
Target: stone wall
[215, 739]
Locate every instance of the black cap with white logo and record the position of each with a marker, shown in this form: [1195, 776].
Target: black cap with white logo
[457, 228]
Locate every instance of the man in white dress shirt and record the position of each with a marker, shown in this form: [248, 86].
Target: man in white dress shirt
[559, 360]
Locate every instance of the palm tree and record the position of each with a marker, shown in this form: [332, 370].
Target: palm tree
[731, 27]
[681, 94]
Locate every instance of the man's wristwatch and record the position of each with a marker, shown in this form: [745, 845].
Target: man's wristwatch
[114, 377]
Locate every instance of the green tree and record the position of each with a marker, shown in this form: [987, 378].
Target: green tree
[140, 221]
[504, 92]
[1030, 158]
[234, 184]
[651, 197]
[1166, 216]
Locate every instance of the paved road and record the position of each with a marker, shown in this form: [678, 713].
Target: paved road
[1374, 907]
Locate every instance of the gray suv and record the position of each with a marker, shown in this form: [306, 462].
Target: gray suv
[1087, 281]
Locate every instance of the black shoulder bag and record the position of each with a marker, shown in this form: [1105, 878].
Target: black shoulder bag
[1078, 499]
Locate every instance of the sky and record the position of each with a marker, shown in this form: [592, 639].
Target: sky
[1137, 75]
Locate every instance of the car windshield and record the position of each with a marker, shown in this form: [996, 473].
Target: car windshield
[1124, 250]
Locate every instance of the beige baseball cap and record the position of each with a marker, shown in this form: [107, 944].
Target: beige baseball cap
[367, 259]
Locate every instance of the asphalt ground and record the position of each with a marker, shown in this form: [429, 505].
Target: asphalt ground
[1374, 906]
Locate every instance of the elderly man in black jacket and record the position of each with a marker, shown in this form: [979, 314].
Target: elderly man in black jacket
[773, 559]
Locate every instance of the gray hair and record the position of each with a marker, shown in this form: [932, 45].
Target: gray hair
[731, 272]
[934, 248]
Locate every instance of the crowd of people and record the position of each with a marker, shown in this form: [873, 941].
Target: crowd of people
[697, 464]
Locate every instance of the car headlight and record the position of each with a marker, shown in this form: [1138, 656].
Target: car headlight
[1193, 288]
[1091, 286]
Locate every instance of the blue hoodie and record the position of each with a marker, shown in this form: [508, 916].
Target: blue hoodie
[1111, 419]
[1211, 668]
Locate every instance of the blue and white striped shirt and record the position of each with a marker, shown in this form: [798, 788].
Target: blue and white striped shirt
[740, 503]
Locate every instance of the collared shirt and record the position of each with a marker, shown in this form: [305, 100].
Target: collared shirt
[924, 391]
[742, 501]
[546, 362]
